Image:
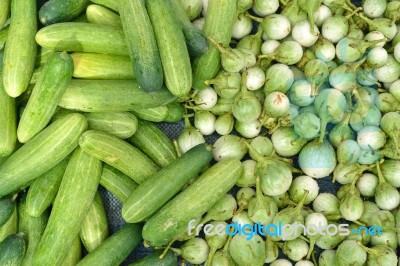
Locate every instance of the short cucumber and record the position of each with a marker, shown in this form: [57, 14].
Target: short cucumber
[98, 14]
[83, 37]
[154, 114]
[123, 125]
[115, 249]
[3, 37]
[75, 196]
[220, 18]
[173, 50]
[56, 11]
[142, 44]
[20, 48]
[12, 250]
[41, 153]
[154, 143]
[74, 254]
[111, 4]
[116, 182]
[119, 154]
[7, 206]
[101, 66]
[176, 112]
[11, 226]
[4, 12]
[172, 219]
[94, 229]
[43, 190]
[51, 85]
[111, 96]
[158, 189]
[153, 259]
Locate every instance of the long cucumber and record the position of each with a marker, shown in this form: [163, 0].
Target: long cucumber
[55, 11]
[154, 114]
[122, 125]
[98, 14]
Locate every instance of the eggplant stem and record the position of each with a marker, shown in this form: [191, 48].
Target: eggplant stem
[167, 248]
[259, 20]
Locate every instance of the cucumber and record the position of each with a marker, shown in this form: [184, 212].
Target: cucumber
[220, 18]
[32, 228]
[153, 259]
[37, 72]
[7, 206]
[115, 249]
[172, 47]
[158, 189]
[74, 254]
[154, 143]
[111, 96]
[41, 153]
[119, 154]
[101, 66]
[20, 48]
[52, 82]
[176, 112]
[94, 229]
[3, 37]
[196, 41]
[56, 11]
[42, 56]
[154, 114]
[81, 18]
[4, 12]
[83, 37]
[122, 125]
[11, 226]
[98, 14]
[142, 44]
[12, 250]
[75, 196]
[172, 220]
[111, 4]
[119, 184]
[43, 190]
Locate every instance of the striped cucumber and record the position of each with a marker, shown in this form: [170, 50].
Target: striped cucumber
[123, 125]
[172, 220]
[220, 18]
[74, 254]
[116, 182]
[83, 37]
[111, 96]
[98, 14]
[115, 249]
[12, 250]
[11, 225]
[153, 259]
[111, 4]
[154, 143]
[154, 114]
[42, 56]
[43, 190]
[51, 85]
[158, 189]
[142, 44]
[4, 12]
[3, 37]
[41, 153]
[7, 206]
[20, 48]
[56, 11]
[75, 196]
[101, 66]
[173, 50]
[94, 229]
[119, 154]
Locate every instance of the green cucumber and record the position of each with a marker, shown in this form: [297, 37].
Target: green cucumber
[7, 206]
[172, 220]
[123, 125]
[220, 18]
[98, 14]
[51, 85]
[83, 37]
[119, 154]
[142, 44]
[20, 48]
[56, 11]
[81, 18]
[74, 254]
[3, 37]
[11, 226]
[41, 153]
[154, 143]
[43, 190]
[176, 112]
[12, 250]
[115, 249]
[154, 114]
[111, 4]
[32, 228]
[61, 112]
[42, 56]
[196, 41]
[116, 182]
[158, 189]
[111, 96]
[74, 198]
[153, 259]
[94, 229]
[101, 66]
[4, 12]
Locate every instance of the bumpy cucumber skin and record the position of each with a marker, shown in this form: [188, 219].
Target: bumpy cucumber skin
[98, 14]
[123, 125]
[20, 49]
[142, 44]
[55, 11]
[153, 259]
[12, 250]
[173, 218]
[4, 12]
[220, 18]
[116, 248]
[83, 37]
[75, 196]
[42, 153]
[74, 253]
[46, 94]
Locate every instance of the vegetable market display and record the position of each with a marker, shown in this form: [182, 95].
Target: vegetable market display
[290, 95]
